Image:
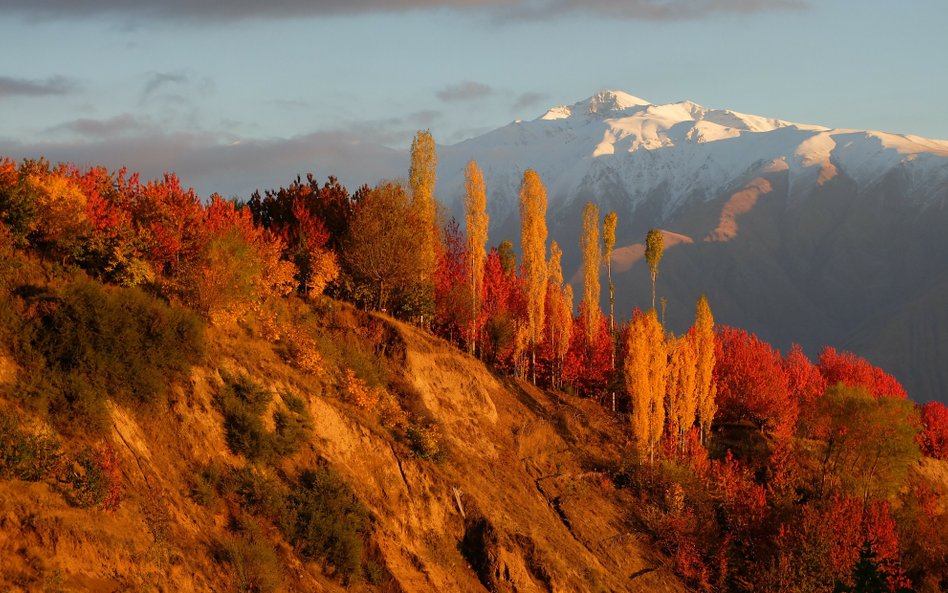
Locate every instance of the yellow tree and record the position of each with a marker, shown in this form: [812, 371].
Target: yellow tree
[705, 389]
[682, 375]
[533, 242]
[654, 246]
[646, 377]
[592, 257]
[609, 238]
[475, 207]
[421, 178]
[559, 313]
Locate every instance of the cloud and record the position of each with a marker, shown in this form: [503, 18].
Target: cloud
[159, 79]
[22, 87]
[204, 11]
[465, 91]
[102, 128]
[212, 162]
[528, 99]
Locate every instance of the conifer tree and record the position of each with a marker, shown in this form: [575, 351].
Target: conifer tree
[592, 257]
[705, 388]
[646, 376]
[475, 203]
[609, 238]
[654, 246]
[533, 241]
[421, 178]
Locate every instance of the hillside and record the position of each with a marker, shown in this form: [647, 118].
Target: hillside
[519, 498]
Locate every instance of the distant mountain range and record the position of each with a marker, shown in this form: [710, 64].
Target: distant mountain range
[800, 233]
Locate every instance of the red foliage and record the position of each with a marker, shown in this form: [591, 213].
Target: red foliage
[853, 371]
[804, 381]
[281, 210]
[452, 296]
[111, 469]
[588, 364]
[502, 305]
[751, 382]
[933, 439]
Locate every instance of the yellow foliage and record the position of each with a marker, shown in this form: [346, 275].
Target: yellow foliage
[705, 389]
[682, 374]
[421, 178]
[475, 207]
[359, 393]
[60, 207]
[303, 351]
[646, 379]
[592, 256]
[325, 269]
[533, 241]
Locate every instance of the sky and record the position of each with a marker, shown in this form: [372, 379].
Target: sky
[238, 95]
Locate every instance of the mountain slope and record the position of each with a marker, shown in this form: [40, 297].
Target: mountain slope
[800, 232]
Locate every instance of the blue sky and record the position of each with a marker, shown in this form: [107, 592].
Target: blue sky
[248, 94]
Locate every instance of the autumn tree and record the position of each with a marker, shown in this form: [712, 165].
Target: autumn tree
[533, 242]
[475, 207]
[682, 386]
[592, 257]
[654, 247]
[502, 306]
[705, 388]
[853, 371]
[934, 436]
[421, 178]
[609, 240]
[559, 315]
[646, 376]
[805, 384]
[379, 250]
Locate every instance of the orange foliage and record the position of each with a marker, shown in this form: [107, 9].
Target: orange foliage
[933, 439]
[853, 371]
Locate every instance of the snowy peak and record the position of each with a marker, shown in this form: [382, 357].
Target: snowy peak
[605, 104]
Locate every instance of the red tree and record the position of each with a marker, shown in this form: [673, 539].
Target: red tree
[933, 439]
[751, 382]
[804, 382]
[853, 371]
[588, 364]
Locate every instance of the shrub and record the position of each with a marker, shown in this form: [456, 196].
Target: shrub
[425, 442]
[94, 479]
[88, 342]
[328, 521]
[255, 565]
[25, 456]
[242, 402]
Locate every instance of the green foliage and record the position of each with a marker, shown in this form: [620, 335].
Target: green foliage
[88, 343]
[328, 522]
[425, 442]
[205, 485]
[255, 566]
[870, 443]
[25, 456]
[243, 403]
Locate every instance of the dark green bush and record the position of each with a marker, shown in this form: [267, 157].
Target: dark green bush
[88, 342]
[293, 426]
[328, 521]
[25, 456]
[256, 568]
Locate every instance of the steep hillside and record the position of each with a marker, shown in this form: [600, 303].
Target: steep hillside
[494, 486]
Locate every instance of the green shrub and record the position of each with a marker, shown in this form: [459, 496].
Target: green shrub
[256, 568]
[425, 442]
[88, 342]
[242, 402]
[328, 521]
[207, 482]
[94, 479]
[293, 426]
[26, 456]
[261, 495]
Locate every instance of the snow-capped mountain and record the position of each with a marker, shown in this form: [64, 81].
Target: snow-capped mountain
[801, 233]
[620, 148]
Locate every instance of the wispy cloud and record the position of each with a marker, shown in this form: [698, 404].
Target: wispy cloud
[23, 87]
[465, 91]
[214, 11]
[528, 99]
[160, 79]
[112, 127]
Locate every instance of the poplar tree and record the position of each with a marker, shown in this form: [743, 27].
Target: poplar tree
[592, 257]
[682, 384]
[533, 241]
[646, 376]
[705, 389]
[609, 238]
[559, 313]
[654, 246]
[421, 179]
[475, 204]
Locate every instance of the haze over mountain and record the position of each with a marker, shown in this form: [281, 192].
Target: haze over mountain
[799, 232]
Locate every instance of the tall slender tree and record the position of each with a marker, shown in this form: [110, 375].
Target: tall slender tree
[609, 239]
[646, 376]
[682, 383]
[592, 259]
[705, 388]
[421, 178]
[654, 247]
[475, 205]
[559, 315]
[533, 241]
